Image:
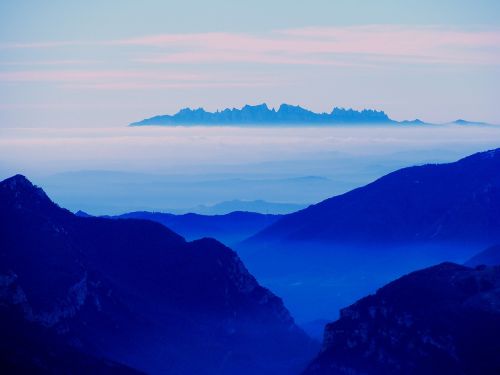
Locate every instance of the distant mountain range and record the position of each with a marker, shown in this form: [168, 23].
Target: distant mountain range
[440, 320]
[79, 294]
[115, 192]
[408, 219]
[286, 114]
[256, 206]
[228, 228]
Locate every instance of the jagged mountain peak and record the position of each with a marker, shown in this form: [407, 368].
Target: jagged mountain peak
[284, 106]
[262, 106]
[262, 114]
[284, 114]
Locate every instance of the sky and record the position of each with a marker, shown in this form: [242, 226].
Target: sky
[74, 64]
[74, 74]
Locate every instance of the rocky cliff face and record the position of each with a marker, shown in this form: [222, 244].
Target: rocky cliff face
[137, 293]
[441, 320]
[29, 344]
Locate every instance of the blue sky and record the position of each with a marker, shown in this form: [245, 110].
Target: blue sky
[108, 63]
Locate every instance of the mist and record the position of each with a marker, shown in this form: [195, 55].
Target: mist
[115, 170]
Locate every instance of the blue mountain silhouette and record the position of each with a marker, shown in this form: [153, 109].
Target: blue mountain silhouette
[441, 320]
[286, 114]
[355, 242]
[455, 201]
[262, 114]
[134, 292]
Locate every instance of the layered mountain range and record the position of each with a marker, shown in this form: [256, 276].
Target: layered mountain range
[124, 295]
[132, 292]
[458, 201]
[262, 114]
[406, 220]
[229, 229]
[285, 114]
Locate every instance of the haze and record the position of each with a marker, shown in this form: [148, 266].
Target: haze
[114, 170]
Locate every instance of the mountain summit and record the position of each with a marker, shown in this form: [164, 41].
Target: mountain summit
[286, 114]
[262, 114]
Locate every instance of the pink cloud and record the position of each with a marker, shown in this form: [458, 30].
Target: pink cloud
[214, 57]
[49, 62]
[313, 45]
[51, 44]
[89, 75]
[422, 44]
[361, 46]
[159, 85]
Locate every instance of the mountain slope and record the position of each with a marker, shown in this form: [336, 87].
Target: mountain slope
[489, 257]
[440, 320]
[351, 244]
[446, 201]
[137, 293]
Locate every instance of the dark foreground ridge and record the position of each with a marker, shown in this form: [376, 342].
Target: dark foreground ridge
[131, 292]
[441, 320]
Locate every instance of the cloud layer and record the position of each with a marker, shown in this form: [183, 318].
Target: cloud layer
[355, 46]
